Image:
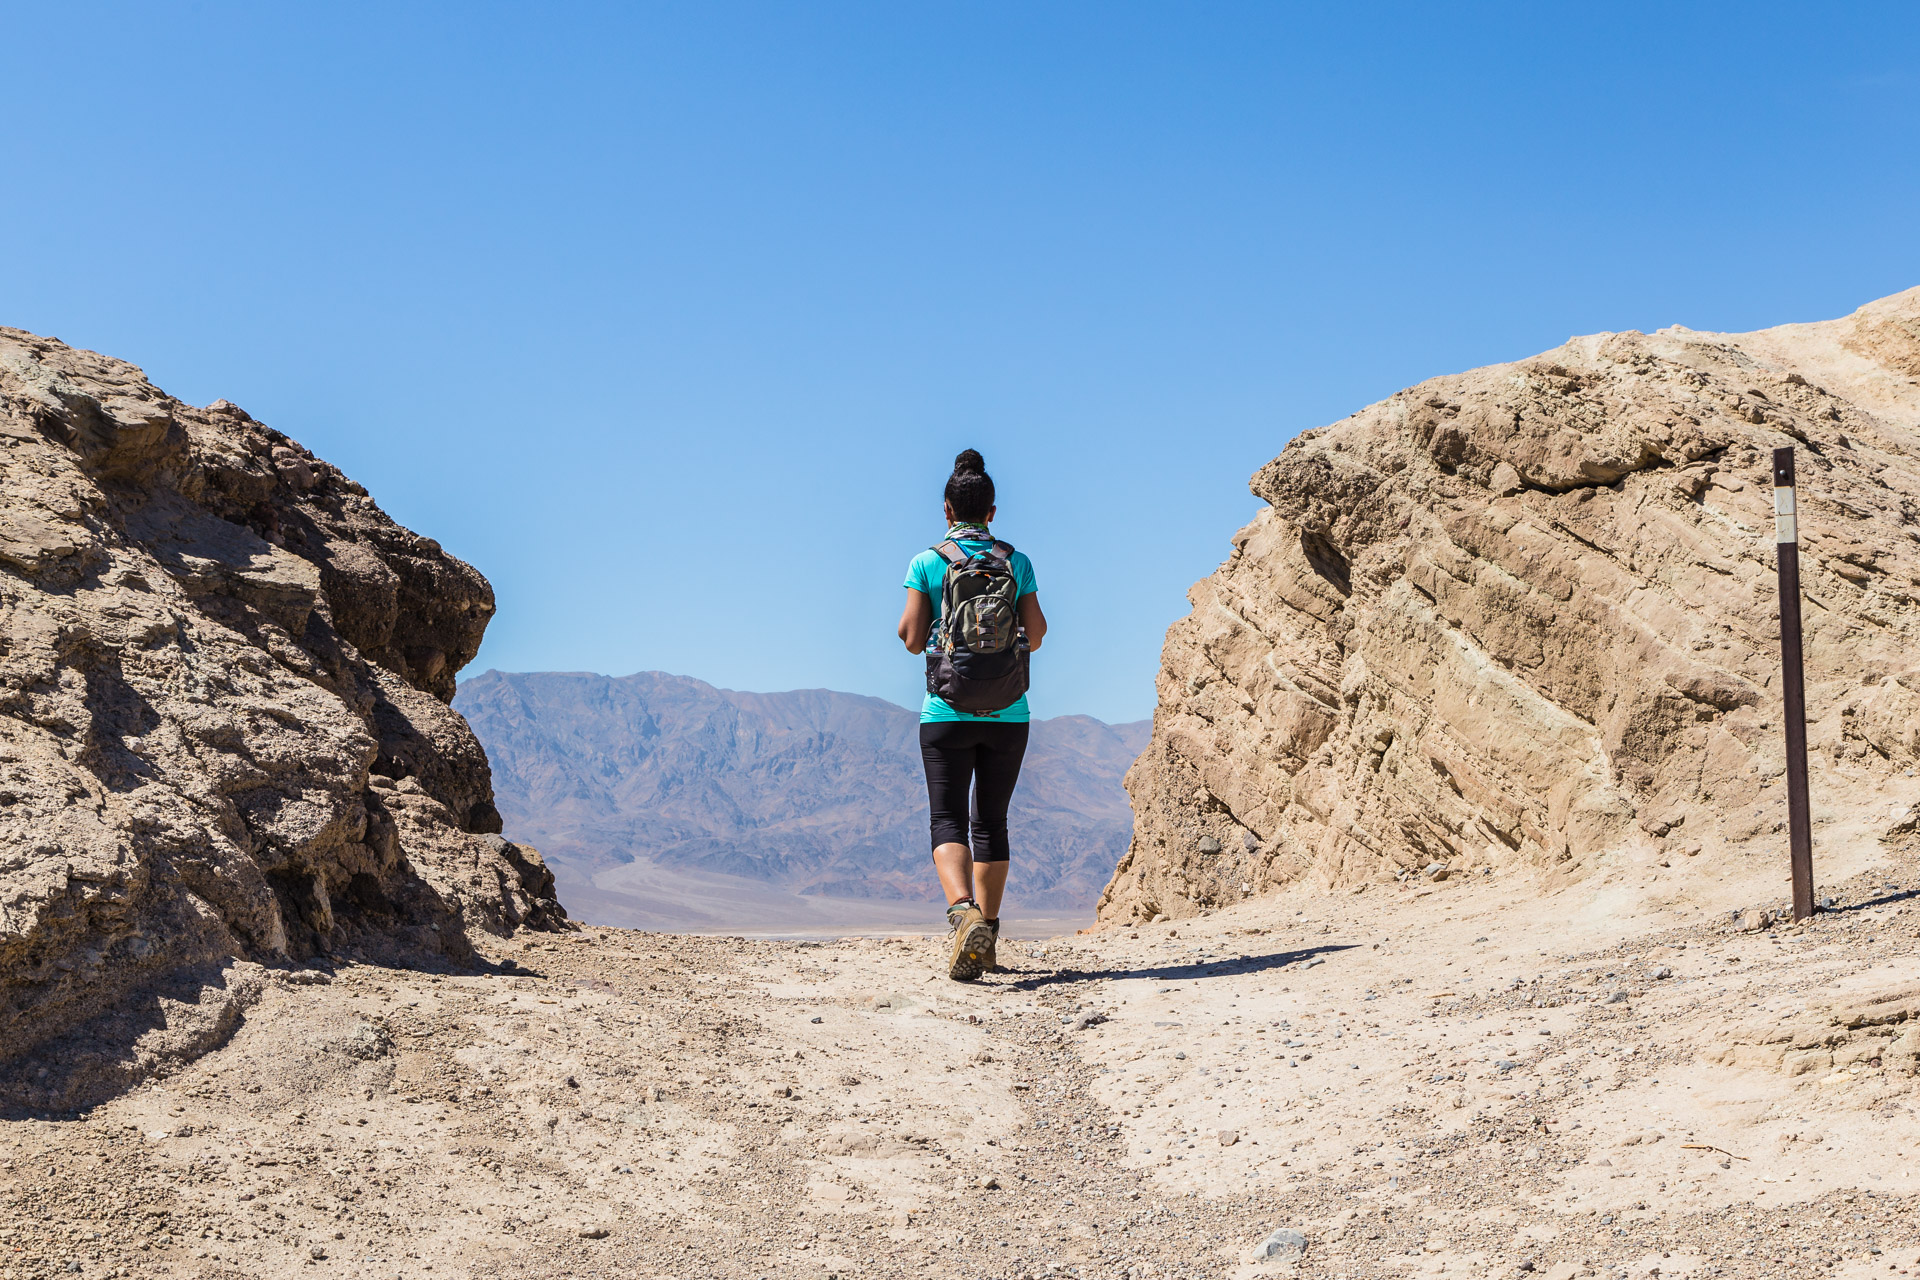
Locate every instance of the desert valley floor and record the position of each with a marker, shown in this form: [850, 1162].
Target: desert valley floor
[1610, 1078]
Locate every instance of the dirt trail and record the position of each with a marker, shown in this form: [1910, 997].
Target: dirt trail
[1422, 1081]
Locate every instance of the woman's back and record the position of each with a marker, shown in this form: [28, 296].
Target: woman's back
[927, 574]
[972, 751]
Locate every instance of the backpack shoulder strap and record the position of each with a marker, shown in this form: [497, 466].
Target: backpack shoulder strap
[1002, 551]
[950, 552]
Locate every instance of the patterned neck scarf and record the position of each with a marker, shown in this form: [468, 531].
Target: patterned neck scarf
[968, 531]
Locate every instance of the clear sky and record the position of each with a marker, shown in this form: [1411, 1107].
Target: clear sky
[670, 318]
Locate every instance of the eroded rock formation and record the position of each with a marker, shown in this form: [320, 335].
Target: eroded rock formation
[1526, 615]
[224, 732]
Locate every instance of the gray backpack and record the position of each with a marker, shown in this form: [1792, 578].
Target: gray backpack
[977, 660]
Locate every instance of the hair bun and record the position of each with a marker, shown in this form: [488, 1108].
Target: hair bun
[969, 463]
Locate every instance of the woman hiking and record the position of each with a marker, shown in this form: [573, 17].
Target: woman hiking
[972, 608]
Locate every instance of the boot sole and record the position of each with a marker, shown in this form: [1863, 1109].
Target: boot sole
[969, 953]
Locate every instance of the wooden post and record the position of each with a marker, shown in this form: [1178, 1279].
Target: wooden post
[1793, 690]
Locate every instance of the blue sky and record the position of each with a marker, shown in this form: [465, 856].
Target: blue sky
[671, 318]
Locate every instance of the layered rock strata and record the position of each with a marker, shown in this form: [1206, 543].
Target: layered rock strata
[224, 732]
[1526, 616]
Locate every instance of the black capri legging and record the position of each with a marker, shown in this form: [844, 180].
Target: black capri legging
[978, 755]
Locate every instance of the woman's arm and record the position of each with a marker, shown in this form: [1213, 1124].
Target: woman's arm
[916, 620]
[1032, 619]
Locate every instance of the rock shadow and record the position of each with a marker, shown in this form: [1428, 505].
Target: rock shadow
[1888, 898]
[154, 1029]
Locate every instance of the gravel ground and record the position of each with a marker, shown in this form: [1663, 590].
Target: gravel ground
[1422, 1080]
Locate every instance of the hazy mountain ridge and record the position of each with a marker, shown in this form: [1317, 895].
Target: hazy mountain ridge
[812, 791]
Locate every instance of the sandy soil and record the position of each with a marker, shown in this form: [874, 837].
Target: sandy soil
[1459, 1079]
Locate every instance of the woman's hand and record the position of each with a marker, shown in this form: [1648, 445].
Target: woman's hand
[916, 621]
[1032, 619]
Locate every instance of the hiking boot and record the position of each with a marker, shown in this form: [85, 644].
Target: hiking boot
[972, 941]
[990, 962]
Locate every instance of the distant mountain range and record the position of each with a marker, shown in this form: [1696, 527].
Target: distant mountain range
[661, 801]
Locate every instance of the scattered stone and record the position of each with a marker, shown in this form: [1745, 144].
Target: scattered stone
[595, 1232]
[370, 1040]
[1283, 1245]
[1755, 921]
[1208, 845]
[1436, 871]
[1664, 971]
[1228, 1137]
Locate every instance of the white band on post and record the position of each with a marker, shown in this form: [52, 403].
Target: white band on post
[1785, 527]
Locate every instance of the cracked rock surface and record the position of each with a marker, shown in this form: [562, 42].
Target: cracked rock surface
[1526, 617]
[225, 744]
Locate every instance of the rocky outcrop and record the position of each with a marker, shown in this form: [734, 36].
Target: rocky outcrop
[1880, 1030]
[1525, 616]
[224, 732]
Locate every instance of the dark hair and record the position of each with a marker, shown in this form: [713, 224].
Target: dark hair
[970, 488]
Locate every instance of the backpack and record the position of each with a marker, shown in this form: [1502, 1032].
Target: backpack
[977, 660]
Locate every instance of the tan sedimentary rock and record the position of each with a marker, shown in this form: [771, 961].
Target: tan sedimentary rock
[1526, 614]
[224, 732]
[1882, 1030]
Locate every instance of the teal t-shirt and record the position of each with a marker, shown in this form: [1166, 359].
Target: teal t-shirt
[925, 574]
